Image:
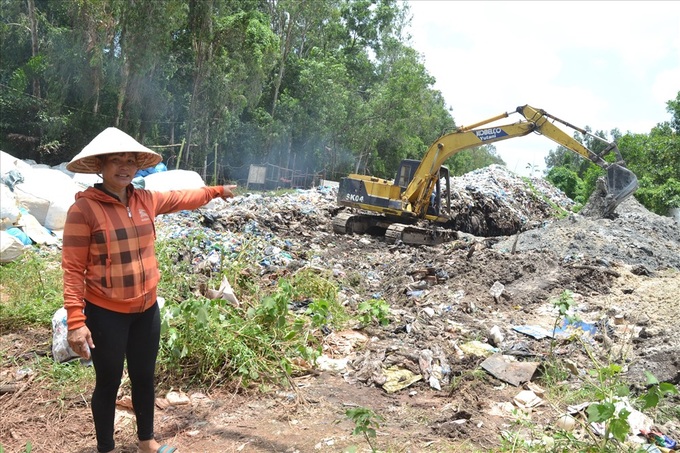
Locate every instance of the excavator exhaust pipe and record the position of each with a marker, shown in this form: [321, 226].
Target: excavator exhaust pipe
[621, 183]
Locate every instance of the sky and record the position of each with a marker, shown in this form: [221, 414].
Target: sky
[602, 64]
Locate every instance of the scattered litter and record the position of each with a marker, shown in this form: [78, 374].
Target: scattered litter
[660, 439]
[495, 336]
[507, 369]
[478, 348]
[399, 378]
[125, 402]
[638, 422]
[497, 290]
[175, 398]
[565, 423]
[571, 327]
[526, 399]
[325, 363]
[224, 292]
[536, 332]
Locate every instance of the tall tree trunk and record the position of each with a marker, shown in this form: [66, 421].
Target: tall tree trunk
[200, 23]
[288, 27]
[34, 44]
[122, 90]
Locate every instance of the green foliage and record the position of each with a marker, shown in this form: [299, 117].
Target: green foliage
[32, 286]
[69, 378]
[237, 82]
[374, 310]
[568, 182]
[656, 391]
[564, 304]
[659, 198]
[209, 341]
[365, 423]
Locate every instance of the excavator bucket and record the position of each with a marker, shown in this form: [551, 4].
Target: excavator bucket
[621, 183]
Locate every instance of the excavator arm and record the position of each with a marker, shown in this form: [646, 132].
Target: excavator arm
[621, 182]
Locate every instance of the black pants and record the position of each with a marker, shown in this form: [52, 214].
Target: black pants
[118, 337]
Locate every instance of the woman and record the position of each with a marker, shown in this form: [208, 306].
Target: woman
[111, 276]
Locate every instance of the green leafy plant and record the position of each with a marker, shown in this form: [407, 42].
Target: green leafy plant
[210, 341]
[656, 391]
[611, 410]
[563, 304]
[365, 423]
[374, 310]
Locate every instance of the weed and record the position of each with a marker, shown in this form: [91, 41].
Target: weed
[564, 303]
[212, 341]
[365, 423]
[374, 310]
[354, 279]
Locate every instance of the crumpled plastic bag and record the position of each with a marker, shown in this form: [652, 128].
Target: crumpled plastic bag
[61, 351]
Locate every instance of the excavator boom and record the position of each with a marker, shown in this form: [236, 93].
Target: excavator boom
[620, 183]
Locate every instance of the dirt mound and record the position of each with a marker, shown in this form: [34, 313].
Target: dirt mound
[635, 237]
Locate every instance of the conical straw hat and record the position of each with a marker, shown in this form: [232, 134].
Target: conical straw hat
[111, 141]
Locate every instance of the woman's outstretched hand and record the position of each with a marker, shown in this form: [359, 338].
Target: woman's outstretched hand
[228, 191]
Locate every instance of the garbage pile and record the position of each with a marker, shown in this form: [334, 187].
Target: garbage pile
[493, 201]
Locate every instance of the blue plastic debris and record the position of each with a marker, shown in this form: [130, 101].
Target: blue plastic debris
[570, 326]
[19, 234]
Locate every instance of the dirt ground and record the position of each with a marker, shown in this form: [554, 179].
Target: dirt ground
[623, 274]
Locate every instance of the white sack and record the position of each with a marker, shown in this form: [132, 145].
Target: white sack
[9, 163]
[175, 180]
[86, 179]
[47, 194]
[9, 210]
[11, 247]
[35, 230]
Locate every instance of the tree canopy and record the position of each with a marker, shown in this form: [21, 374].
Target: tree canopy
[320, 85]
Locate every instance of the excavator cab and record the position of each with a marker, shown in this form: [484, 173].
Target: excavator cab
[439, 198]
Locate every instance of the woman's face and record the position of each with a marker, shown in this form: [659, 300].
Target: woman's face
[118, 170]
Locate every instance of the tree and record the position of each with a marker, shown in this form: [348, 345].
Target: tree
[655, 159]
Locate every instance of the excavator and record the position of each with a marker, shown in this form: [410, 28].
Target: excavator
[420, 193]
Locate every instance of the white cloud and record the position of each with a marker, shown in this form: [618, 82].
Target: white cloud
[599, 64]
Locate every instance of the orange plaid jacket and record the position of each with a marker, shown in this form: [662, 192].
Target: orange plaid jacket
[108, 254]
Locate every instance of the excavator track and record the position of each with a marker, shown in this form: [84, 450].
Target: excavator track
[349, 223]
[414, 235]
[342, 223]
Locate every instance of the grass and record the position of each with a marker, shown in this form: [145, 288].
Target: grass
[31, 289]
